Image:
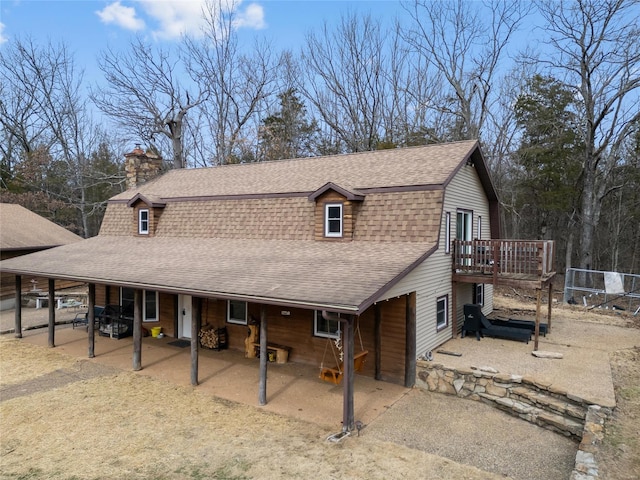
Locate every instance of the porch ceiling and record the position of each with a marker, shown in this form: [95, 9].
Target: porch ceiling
[337, 276]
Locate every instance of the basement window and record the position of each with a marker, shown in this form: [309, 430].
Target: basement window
[143, 221]
[333, 220]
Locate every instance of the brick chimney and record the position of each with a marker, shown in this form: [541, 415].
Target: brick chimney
[141, 166]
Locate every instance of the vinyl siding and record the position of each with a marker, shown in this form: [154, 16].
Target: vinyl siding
[432, 279]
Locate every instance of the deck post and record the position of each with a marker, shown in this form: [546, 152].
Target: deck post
[348, 420]
[195, 330]
[91, 320]
[410, 342]
[537, 329]
[262, 388]
[52, 313]
[378, 340]
[550, 303]
[18, 311]
[137, 330]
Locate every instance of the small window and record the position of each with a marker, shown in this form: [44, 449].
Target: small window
[479, 227]
[442, 312]
[237, 312]
[325, 328]
[333, 220]
[447, 233]
[478, 294]
[149, 305]
[143, 222]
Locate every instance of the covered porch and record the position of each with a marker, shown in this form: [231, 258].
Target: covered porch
[294, 389]
[516, 263]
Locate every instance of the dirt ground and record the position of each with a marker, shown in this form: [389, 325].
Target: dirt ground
[64, 418]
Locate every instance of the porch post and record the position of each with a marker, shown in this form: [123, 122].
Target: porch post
[52, 313]
[348, 420]
[91, 320]
[378, 340]
[410, 342]
[262, 393]
[18, 311]
[137, 329]
[550, 302]
[195, 330]
[537, 329]
[454, 309]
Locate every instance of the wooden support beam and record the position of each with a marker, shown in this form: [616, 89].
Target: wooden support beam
[549, 304]
[52, 313]
[348, 420]
[378, 340]
[537, 328]
[410, 342]
[18, 311]
[91, 320]
[262, 388]
[196, 321]
[137, 330]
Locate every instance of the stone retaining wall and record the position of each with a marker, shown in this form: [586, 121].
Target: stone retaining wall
[525, 397]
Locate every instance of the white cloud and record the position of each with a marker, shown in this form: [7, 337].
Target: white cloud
[121, 16]
[252, 17]
[175, 17]
[3, 38]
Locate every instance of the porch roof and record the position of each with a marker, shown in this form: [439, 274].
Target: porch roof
[337, 276]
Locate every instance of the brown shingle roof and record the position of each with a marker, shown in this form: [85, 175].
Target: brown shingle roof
[336, 276]
[21, 229]
[425, 165]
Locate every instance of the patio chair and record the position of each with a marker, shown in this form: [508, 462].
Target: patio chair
[82, 318]
[487, 329]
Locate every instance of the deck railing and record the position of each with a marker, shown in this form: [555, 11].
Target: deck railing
[504, 257]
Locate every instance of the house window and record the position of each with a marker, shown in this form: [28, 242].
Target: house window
[442, 312]
[237, 312]
[149, 304]
[479, 227]
[447, 233]
[478, 294]
[325, 328]
[464, 227]
[333, 220]
[143, 221]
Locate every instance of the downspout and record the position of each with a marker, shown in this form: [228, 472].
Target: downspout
[348, 420]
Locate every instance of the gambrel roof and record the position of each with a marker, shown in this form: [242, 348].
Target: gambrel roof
[247, 231]
[21, 229]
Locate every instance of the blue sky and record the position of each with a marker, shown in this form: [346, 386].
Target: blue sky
[89, 26]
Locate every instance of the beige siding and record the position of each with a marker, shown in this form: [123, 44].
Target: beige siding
[432, 279]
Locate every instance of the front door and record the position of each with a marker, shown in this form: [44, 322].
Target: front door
[184, 316]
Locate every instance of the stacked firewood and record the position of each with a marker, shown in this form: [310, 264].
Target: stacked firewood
[209, 337]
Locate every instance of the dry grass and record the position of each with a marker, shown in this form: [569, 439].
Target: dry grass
[128, 426]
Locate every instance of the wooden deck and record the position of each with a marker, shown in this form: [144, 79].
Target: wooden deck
[522, 263]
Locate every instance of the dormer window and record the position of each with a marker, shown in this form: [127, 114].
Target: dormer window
[333, 220]
[143, 221]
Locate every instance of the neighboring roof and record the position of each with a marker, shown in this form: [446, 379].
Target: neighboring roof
[21, 229]
[430, 165]
[342, 276]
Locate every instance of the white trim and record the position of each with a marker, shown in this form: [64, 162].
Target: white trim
[143, 224]
[234, 320]
[447, 233]
[327, 219]
[441, 326]
[324, 334]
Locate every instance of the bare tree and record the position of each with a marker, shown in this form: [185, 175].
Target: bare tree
[144, 94]
[595, 45]
[466, 49]
[50, 134]
[344, 79]
[239, 84]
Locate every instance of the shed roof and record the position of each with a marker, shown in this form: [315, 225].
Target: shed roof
[21, 229]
